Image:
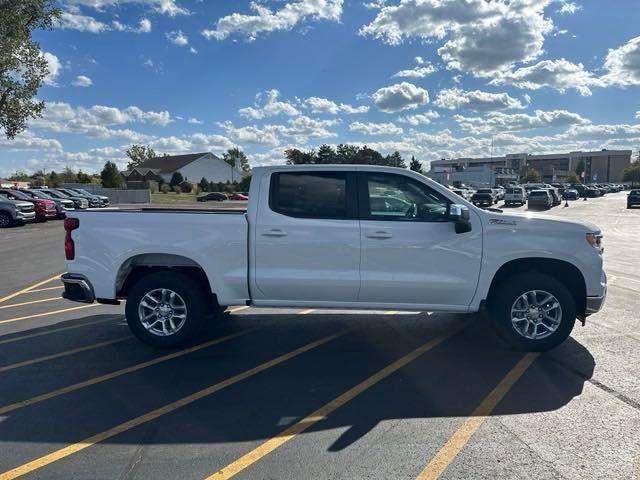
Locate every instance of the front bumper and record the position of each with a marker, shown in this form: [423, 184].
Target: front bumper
[595, 303]
[25, 216]
[77, 288]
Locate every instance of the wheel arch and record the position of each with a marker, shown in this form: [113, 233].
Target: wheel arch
[566, 272]
[138, 266]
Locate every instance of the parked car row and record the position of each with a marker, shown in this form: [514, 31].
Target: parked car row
[20, 206]
[546, 195]
[221, 197]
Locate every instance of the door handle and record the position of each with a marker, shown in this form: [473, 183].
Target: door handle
[381, 234]
[274, 232]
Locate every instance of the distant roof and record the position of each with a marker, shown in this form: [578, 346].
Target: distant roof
[171, 163]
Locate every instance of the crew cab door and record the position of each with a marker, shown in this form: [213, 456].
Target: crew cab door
[411, 253]
[307, 238]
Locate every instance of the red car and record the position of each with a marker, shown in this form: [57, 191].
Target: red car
[238, 196]
[45, 209]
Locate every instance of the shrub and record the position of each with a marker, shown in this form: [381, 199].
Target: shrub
[164, 188]
[186, 187]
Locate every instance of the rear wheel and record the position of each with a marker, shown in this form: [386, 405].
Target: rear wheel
[166, 309]
[533, 312]
[5, 220]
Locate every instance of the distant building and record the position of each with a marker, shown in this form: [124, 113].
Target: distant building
[193, 167]
[599, 166]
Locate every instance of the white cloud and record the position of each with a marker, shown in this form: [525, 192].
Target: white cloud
[167, 7]
[398, 97]
[375, 128]
[623, 64]
[497, 122]
[454, 98]
[420, 118]
[177, 37]
[27, 140]
[265, 20]
[324, 105]
[82, 81]
[417, 72]
[251, 134]
[638, 114]
[569, 7]
[194, 121]
[97, 121]
[85, 23]
[82, 23]
[54, 66]
[144, 26]
[268, 104]
[557, 74]
[483, 36]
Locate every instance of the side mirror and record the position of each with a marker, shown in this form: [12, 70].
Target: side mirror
[459, 215]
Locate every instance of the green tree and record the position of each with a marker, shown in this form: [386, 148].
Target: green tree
[368, 156]
[243, 185]
[84, 177]
[176, 179]
[110, 176]
[415, 165]
[138, 154]
[298, 157]
[53, 179]
[69, 176]
[346, 153]
[23, 67]
[632, 173]
[186, 187]
[326, 155]
[203, 184]
[236, 158]
[573, 178]
[37, 179]
[395, 160]
[19, 177]
[531, 176]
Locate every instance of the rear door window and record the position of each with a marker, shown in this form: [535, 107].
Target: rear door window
[313, 194]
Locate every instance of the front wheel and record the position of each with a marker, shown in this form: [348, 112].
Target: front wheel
[533, 312]
[166, 309]
[5, 220]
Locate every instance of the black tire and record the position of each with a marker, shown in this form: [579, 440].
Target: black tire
[5, 220]
[195, 299]
[505, 295]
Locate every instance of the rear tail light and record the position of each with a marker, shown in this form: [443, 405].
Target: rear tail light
[70, 224]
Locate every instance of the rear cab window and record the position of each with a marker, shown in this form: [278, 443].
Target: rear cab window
[314, 194]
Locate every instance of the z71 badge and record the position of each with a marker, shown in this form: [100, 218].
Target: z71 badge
[500, 221]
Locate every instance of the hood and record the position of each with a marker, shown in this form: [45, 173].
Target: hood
[537, 219]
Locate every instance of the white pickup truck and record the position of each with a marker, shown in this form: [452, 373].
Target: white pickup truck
[338, 236]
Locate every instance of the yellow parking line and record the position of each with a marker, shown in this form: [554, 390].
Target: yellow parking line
[62, 354]
[439, 463]
[118, 373]
[152, 415]
[321, 413]
[391, 312]
[307, 311]
[27, 289]
[59, 287]
[31, 302]
[16, 319]
[55, 330]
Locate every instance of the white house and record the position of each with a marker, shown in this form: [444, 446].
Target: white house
[192, 166]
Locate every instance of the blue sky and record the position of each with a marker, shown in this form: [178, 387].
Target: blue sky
[430, 78]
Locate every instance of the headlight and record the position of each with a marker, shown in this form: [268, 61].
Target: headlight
[595, 240]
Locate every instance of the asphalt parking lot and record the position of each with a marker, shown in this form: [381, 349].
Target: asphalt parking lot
[289, 394]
